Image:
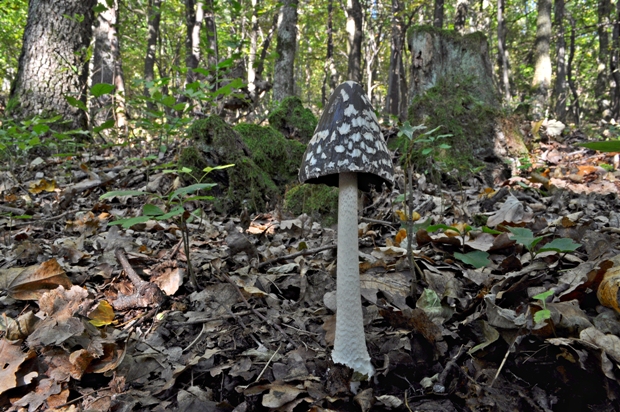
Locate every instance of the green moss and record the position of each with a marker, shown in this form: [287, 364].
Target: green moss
[272, 152]
[457, 111]
[245, 184]
[291, 119]
[314, 200]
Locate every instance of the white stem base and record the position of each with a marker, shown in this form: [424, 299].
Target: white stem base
[350, 343]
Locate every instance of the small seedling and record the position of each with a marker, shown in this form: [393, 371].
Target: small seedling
[174, 205]
[526, 238]
[543, 314]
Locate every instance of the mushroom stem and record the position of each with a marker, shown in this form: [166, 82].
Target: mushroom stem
[350, 343]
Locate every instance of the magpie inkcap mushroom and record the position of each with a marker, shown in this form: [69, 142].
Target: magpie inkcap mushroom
[348, 151]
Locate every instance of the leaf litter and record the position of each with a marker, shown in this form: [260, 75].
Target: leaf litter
[517, 305]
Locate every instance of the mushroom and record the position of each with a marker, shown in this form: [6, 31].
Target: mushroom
[347, 150]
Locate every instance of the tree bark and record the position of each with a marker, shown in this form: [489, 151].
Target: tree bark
[438, 14]
[283, 77]
[106, 67]
[211, 33]
[53, 61]
[542, 69]
[253, 48]
[615, 64]
[354, 40]
[601, 87]
[331, 75]
[575, 109]
[461, 15]
[392, 100]
[560, 51]
[154, 17]
[502, 54]
[194, 16]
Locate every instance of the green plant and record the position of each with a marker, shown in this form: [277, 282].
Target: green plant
[543, 314]
[173, 203]
[526, 238]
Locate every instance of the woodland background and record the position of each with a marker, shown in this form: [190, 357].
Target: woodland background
[567, 52]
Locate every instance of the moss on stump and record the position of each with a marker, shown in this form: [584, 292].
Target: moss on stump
[292, 119]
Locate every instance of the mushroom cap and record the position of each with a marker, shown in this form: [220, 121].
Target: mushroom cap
[348, 139]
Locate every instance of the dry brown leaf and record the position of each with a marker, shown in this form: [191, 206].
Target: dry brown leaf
[11, 357]
[33, 281]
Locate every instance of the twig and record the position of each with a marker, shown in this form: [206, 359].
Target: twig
[294, 255]
[379, 222]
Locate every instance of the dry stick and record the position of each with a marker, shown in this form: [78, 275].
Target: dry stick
[379, 222]
[264, 319]
[294, 255]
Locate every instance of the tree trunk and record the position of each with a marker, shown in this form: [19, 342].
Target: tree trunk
[575, 109]
[615, 64]
[392, 100]
[53, 61]
[438, 14]
[194, 16]
[106, 67]
[331, 75]
[560, 51]
[460, 17]
[601, 87]
[502, 54]
[542, 69]
[154, 17]
[354, 40]
[283, 76]
[252, 54]
[211, 33]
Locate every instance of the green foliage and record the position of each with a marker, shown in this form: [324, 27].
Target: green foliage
[465, 121]
[526, 238]
[476, 258]
[19, 137]
[607, 146]
[543, 314]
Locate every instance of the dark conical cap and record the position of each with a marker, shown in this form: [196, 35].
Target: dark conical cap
[348, 139]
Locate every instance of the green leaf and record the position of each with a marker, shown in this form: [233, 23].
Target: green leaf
[524, 237]
[406, 130]
[477, 258]
[209, 169]
[108, 124]
[151, 210]
[191, 189]
[561, 245]
[127, 223]
[122, 193]
[179, 210]
[426, 151]
[169, 101]
[100, 89]
[40, 128]
[76, 103]
[608, 146]
[542, 315]
[544, 295]
[486, 229]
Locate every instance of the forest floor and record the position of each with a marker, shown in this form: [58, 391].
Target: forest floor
[505, 314]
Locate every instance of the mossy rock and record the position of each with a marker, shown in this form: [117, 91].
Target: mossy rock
[272, 152]
[292, 119]
[245, 184]
[465, 120]
[315, 200]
